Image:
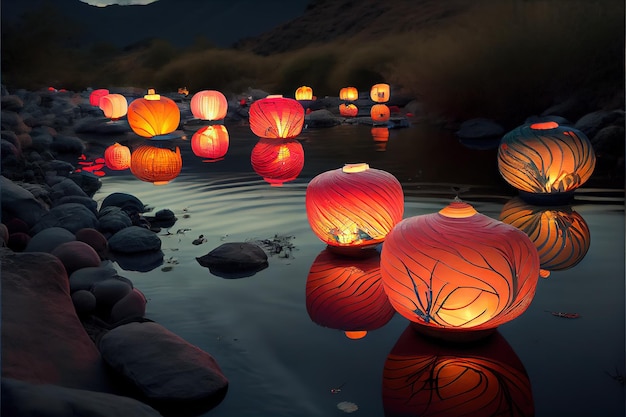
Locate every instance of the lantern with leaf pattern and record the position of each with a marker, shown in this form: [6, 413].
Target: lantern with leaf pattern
[276, 117]
[153, 116]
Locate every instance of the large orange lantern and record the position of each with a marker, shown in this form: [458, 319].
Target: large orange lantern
[348, 110]
[304, 93]
[210, 142]
[379, 93]
[153, 116]
[117, 157]
[545, 161]
[209, 105]
[380, 113]
[276, 117]
[347, 294]
[156, 165]
[458, 274]
[428, 379]
[96, 95]
[354, 207]
[277, 162]
[560, 234]
[349, 93]
[114, 106]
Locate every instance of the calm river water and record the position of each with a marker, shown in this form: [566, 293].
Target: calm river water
[281, 362]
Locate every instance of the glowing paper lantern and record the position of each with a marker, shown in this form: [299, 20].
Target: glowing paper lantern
[354, 206]
[113, 106]
[458, 274]
[153, 115]
[156, 165]
[117, 157]
[379, 93]
[276, 117]
[304, 93]
[277, 162]
[348, 110]
[380, 113]
[546, 161]
[560, 234]
[347, 294]
[349, 93]
[210, 142]
[381, 137]
[96, 95]
[209, 105]
[424, 378]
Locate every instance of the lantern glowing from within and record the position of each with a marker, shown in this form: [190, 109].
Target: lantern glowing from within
[117, 157]
[379, 93]
[354, 206]
[380, 113]
[153, 115]
[347, 294]
[348, 110]
[560, 234]
[276, 117]
[209, 105]
[545, 159]
[424, 378]
[156, 165]
[210, 142]
[458, 274]
[304, 93]
[349, 93]
[113, 106]
[96, 95]
[381, 137]
[277, 162]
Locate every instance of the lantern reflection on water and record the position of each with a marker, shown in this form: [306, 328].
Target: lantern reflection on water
[153, 116]
[210, 142]
[155, 164]
[423, 378]
[560, 234]
[347, 294]
[381, 137]
[277, 161]
[117, 157]
[276, 117]
[458, 274]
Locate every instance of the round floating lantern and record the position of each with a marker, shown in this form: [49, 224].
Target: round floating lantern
[156, 165]
[546, 162]
[210, 142]
[153, 115]
[379, 93]
[276, 117]
[458, 274]
[349, 93]
[354, 207]
[277, 162]
[347, 294]
[304, 93]
[380, 113]
[114, 106]
[348, 110]
[428, 379]
[560, 234]
[117, 157]
[209, 105]
[96, 95]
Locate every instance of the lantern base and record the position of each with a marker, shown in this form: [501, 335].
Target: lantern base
[547, 199]
[355, 252]
[453, 335]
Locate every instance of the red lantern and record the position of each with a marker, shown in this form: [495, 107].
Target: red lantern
[347, 294]
[380, 93]
[117, 157]
[210, 142]
[276, 117]
[156, 165]
[114, 106]
[304, 93]
[209, 105]
[380, 113]
[153, 115]
[348, 110]
[424, 378]
[354, 207]
[348, 93]
[458, 274]
[277, 162]
[560, 234]
[96, 95]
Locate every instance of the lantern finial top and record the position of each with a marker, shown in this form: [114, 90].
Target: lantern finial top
[544, 125]
[458, 209]
[152, 95]
[352, 168]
